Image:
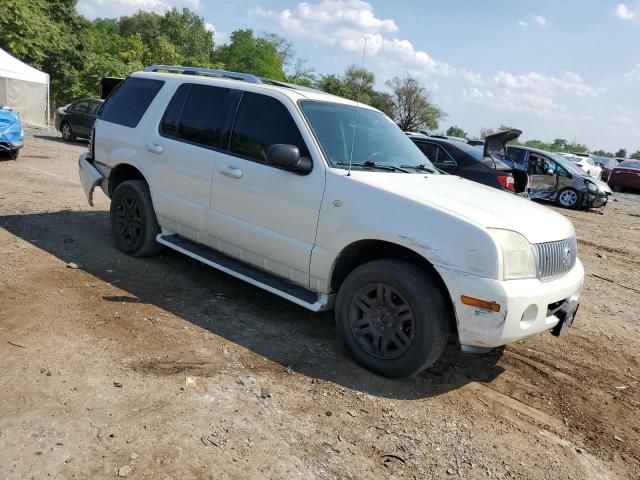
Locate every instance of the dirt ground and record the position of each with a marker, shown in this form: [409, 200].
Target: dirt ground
[162, 368]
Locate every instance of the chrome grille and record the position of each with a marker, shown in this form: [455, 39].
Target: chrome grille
[554, 259]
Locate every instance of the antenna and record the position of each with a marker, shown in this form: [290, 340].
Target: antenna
[355, 124]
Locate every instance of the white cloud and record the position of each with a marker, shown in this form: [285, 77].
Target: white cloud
[346, 23]
[522, 23]
[634, 74]
[628, 13]
[540, 20]
[531, 93]
[118, 8]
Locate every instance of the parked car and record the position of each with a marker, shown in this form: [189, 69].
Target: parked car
[77, 119]
[11, 133]
[480, 165]
[625, 175]
[555, 178]
[606, 164]
[585, 162]
[276, 185]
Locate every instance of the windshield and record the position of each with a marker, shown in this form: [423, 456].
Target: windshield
[567, 164]
[377, 139]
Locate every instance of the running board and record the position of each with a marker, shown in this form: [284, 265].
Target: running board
[259, 278]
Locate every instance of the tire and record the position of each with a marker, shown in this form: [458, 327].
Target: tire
[568, 198]
[14, 155]
[67, 132]
[413, 312]
[134, 225]
[616, 188]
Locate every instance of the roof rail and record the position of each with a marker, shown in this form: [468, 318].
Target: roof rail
[204, 71]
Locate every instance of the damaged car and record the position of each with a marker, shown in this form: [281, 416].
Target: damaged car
[11, 133]
[483, 165]
[555, 178]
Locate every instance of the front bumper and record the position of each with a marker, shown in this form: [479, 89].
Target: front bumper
[526, 306]
[595, 200]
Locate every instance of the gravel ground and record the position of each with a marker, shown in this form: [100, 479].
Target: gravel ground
[162, 368]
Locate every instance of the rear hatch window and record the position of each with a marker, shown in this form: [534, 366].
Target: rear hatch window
[129, 101]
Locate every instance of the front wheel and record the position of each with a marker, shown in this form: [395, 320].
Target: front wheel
[392, 318]
[134, 226]
[568, 198]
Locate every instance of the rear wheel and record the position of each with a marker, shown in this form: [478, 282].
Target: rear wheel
[134, 226]
[392, 318]
[67, 132]
[568, 198]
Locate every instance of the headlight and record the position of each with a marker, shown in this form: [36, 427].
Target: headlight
[517, 255]
[592, 187]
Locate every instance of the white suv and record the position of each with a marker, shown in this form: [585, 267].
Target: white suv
[328, 204]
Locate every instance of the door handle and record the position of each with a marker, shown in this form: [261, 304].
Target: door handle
[155, 148]
[230, 171]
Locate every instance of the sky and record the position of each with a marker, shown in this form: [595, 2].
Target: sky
[554, 69]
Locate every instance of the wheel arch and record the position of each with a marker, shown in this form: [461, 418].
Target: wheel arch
[121, 173]
[363, 251]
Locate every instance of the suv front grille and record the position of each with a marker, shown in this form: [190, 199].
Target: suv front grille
[554, 259]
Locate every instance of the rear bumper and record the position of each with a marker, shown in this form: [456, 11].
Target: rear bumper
[90, 177]
[526, 306]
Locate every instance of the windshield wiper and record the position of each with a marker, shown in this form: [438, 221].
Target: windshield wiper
[372, 164]
[421, 166]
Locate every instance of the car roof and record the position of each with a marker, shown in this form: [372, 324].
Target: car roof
[293, 92]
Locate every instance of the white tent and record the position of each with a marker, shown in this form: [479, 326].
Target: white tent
[24, 89]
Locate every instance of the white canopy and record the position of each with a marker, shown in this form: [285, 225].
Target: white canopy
[24, 89]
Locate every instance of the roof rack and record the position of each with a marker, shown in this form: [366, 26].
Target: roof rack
[205, 71]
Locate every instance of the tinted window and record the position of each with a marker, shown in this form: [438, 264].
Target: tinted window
[128, 103]
[197, 114]
[517, 156]
[436, 154]
[261, 122]
[630, 164]
[94, 107]
[82, 106]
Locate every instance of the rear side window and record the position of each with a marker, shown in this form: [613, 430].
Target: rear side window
[128, 103]
[197, 114]
[517, 156]
[263, 121]
[436, 154]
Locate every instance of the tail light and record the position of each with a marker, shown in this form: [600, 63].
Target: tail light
[92, 141]
[507, 182]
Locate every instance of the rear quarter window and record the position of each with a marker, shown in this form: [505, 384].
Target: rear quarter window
[129, 101]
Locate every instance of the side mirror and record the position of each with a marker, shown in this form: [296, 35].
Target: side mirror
[551, 172]
[288, 158]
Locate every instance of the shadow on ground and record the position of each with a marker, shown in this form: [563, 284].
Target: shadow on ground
[59, 139]
[259, 321]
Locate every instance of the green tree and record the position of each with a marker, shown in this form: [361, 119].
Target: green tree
[147, 24]
[622, 153]
[332, 84]
[455, 131]
[249, 54]
[602, 153]
[635, 155]
[413, 106]
[190, 36]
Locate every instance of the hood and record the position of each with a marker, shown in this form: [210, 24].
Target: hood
[599, 183]
[476, 203]
[496, 143]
